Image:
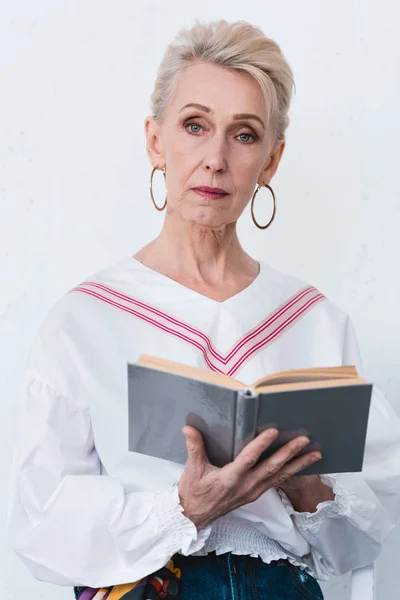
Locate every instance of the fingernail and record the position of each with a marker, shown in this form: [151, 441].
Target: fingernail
[316, 457]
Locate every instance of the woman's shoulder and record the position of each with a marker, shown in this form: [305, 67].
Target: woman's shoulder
[70, 317]
[67, 307]
[287, 286]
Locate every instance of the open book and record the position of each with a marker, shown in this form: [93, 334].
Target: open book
[330, 405]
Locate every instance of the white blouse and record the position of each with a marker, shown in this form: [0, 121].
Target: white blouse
[84, 510]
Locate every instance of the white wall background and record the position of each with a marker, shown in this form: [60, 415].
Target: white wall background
[76, 77]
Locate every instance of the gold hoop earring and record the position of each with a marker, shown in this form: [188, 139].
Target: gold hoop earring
[159, 208]
[252, 208]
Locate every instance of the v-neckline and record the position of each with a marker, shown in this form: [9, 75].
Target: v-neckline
[228, 301]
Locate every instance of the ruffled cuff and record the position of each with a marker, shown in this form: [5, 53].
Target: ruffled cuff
[179, 534]
[342, 506]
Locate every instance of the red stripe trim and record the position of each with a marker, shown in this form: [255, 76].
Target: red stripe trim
[159, 313]
[152, 322]
[273, 335]
[271, 320]
[196, 344]
[213, 351]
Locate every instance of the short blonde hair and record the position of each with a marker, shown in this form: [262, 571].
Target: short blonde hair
[240, 46]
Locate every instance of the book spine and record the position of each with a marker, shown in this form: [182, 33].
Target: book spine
[245, 419]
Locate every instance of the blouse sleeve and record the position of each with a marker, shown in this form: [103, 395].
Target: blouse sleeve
[348, 532]
[68, 523]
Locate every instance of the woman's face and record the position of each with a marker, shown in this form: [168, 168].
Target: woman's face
[214, 135]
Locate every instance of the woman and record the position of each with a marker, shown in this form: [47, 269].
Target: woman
[87, 512]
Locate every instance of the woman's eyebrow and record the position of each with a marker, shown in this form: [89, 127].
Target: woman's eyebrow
[236, 117]
[195, 105]
[249, 116]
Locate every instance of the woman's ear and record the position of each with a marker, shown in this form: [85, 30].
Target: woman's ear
[272, 165]
[152, 131]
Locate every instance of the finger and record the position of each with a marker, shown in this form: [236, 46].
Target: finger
[273, 464]
[249, 456]
[296, 466]
[195, 446]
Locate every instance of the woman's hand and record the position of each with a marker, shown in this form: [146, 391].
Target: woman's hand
[306, 492]
[207, 492]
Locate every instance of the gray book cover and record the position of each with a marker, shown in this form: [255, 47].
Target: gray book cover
[161, 403]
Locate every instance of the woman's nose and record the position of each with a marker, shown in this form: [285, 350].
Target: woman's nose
[215, 155]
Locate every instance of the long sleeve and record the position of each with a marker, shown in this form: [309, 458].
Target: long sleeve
[72, 525]
[348, 532]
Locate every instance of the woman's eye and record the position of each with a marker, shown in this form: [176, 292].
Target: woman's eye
[246, 138]
[194, 127]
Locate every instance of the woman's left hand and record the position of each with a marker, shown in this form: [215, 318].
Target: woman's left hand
[306, 491]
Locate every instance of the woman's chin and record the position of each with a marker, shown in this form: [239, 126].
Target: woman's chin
[208, 218]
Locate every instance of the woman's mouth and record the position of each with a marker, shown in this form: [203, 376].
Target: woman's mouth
[210, 192]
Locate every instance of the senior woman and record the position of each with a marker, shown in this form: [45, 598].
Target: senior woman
[88, 513]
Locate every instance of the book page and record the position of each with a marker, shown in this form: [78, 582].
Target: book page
[310, 385]
[308, 375]
[169, 366]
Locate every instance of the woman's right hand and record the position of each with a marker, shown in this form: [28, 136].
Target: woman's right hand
[207, 492]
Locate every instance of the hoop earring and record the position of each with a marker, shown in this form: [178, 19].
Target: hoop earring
[252, 208]
[159, 208]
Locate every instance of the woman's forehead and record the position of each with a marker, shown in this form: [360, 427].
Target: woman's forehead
[220, 89]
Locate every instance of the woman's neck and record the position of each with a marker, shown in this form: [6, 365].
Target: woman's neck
[207, 260]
